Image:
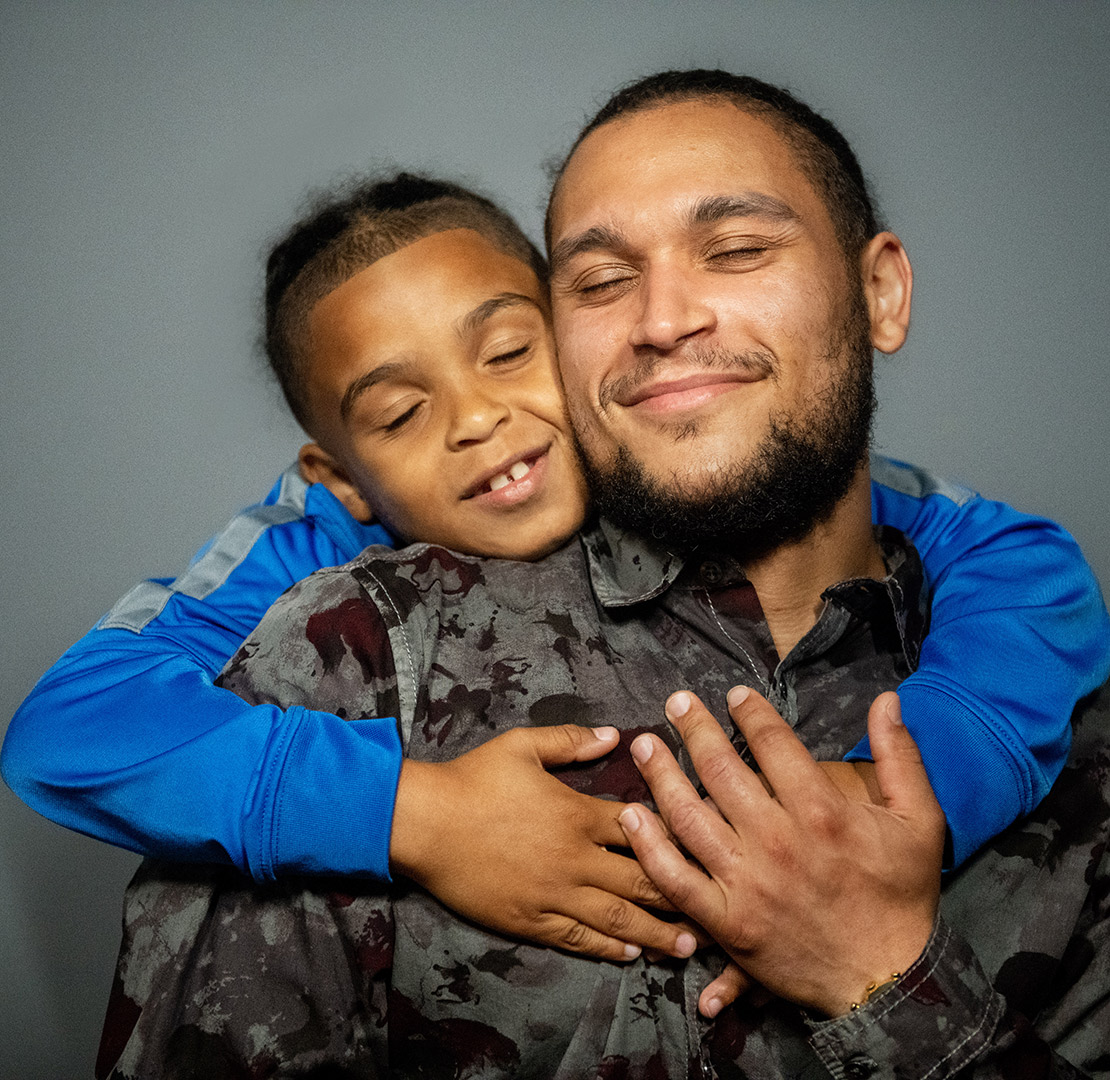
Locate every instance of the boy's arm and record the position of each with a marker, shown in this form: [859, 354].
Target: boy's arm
[495, 813]
[1018, 634]
[125, 737]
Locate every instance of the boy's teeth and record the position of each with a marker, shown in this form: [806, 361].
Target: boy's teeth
[517, 472]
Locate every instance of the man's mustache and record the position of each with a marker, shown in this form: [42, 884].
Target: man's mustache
[753, 364]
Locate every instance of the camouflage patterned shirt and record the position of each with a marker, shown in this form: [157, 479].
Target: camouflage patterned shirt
[221, 977]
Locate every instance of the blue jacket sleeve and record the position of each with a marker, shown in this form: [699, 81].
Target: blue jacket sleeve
[1018, 634]
[127, 739]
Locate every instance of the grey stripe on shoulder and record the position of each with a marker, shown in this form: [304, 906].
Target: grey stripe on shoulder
[915, 481]
[230, 547]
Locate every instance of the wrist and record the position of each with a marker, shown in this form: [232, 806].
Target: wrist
[859, 986]
[944, 1008]
[413, 817]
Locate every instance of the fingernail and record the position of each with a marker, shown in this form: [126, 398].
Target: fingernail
[678, 705]
[685, 944]
[629, 819]
[641, 749]
[605, 734]
[712, 1007]
[738, 695]
[631, 952]
[894, 710]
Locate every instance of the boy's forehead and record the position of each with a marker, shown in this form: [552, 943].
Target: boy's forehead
[460, 252]
[416, 302]
[460, 262]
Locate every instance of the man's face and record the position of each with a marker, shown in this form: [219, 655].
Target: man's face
[712, 336]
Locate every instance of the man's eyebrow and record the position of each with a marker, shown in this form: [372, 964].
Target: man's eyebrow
[382, 373]
[472, 320]
[704, 212]
[600, 236]
[715, 208]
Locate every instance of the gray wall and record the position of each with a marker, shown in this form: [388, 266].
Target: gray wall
[149, 150]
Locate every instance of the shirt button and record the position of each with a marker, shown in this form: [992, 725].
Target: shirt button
[712, 572]
[859, 1068]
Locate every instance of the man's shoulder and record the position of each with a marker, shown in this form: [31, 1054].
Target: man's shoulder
[436, 576]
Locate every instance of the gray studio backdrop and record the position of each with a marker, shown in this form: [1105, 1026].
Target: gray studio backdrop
[150, 150]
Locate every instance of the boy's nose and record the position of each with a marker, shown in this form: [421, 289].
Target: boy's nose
[475, 419]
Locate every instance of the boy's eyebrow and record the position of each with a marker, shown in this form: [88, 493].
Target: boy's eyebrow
[705, 211]
[488, 308]
[400, 368]
[382, 373]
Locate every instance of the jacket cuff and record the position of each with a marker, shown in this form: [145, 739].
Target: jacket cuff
[330, 801]
[936, 1019]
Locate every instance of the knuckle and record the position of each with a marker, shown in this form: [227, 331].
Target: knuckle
[565, 736]
[574, 937]
[685, 818]
[717, 768]
[644, 891]
[616, 918]
[823, 819]
[771, 736]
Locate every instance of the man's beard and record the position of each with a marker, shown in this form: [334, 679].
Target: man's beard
[793, 480]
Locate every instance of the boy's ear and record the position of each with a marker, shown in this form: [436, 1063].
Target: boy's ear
[319, 467]
[888, 287]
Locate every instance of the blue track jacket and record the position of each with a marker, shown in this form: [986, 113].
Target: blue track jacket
[127, 739]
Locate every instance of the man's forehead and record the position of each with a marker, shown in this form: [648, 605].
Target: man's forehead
[665, 153]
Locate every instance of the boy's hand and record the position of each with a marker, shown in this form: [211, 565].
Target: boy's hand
[497, 838]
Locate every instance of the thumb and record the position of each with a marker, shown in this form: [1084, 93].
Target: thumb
[903, 782]
[565, 743]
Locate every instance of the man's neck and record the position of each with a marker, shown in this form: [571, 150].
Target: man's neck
[789, 581]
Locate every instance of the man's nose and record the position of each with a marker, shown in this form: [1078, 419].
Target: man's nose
[671, 310]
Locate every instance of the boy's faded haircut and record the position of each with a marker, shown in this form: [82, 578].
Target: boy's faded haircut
[345, 231]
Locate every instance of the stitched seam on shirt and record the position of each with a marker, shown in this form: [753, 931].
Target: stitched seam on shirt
[279, 802]
[942, 937]
[994, 1006]
[1013, 750]
[406, 723]
[268, 834]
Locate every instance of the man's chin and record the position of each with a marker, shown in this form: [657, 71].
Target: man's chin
[749, 508]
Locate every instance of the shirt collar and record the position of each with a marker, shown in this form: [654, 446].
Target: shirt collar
[627, 569]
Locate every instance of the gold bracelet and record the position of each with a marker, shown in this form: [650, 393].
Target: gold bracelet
[873, 988]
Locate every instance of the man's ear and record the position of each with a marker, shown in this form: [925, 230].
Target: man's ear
[319, 467]
[887, 286]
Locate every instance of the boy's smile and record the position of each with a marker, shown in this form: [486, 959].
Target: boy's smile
[434, 397]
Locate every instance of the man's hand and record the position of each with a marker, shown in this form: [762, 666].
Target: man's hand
[815, 895]
[501, 841]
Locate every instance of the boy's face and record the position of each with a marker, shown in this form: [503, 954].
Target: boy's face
[433, 389]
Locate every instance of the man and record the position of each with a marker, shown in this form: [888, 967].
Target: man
[713, 320]
[715, 279]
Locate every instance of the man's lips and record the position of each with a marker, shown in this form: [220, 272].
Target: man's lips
[663, 395]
